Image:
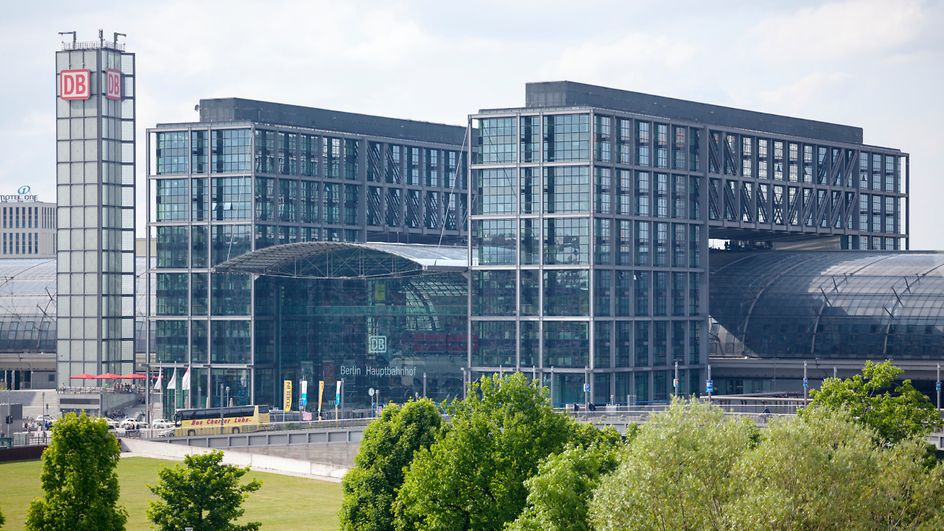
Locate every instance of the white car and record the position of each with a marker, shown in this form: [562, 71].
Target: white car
[162, 424]
[129, 424]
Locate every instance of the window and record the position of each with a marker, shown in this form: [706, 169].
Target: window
[566, 292]
[231, 198]
[494, 191]
[566, 240]
[566, 189]
[171, 152]
[530, 138]
[496, 142]
[494, 242]
[230, 150]
[173, 200]
[642, 143]
[602, 135]
[567, 137]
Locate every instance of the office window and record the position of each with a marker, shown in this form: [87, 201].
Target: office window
[171, 152]
[566, 240]
[230, 150]
[496, 142]
[530, 138]
[566, 189]
[172, 200]
[567, 137]
[494, 191]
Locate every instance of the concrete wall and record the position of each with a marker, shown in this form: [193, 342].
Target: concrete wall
[258, 462]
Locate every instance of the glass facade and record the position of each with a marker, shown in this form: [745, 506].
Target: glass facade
[603, 254]
[220, 190]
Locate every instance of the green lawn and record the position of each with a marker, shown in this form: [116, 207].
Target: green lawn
[283, 502]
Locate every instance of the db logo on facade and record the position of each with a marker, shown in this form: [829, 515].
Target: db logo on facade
[113, 84]
[74, 84]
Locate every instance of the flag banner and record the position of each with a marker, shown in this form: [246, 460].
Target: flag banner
[287, 395]
[159, 384]
[185, 381]
[172, 384]
[303, 396]
[337, 393]
[320, 395]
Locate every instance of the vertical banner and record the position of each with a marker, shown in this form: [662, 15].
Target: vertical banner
[287, 395]
[337, 394]
[303, 396]
[320, 396]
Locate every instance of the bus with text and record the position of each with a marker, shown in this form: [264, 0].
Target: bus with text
[209, 421]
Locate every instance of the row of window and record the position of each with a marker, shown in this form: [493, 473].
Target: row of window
[20, 243]
[764, 158]
[26, 217]
[645, 143]
[567, 190]
[294, 201]
[497, 293]
[287, 153]
[742, 201]
[566, 137]
[566, 241]
[616, 344]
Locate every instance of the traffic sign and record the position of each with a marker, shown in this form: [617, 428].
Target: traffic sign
[370, 392]
[709, 386]
[806, 383]
[586, 388]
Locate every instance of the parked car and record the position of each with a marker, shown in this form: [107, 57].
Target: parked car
[129, 424]
[162, 424]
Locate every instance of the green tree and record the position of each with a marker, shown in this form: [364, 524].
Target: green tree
[2, 519]
[79, 480]
[559, 494]
[677, 472]
[473, 475]
[386, 450]
[894, 414]
[203, 494]
[824, 471]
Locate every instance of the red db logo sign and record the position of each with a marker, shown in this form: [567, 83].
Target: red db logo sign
[113, 84]
[74, 84]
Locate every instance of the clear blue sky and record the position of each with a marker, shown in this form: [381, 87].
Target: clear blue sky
[874, 64]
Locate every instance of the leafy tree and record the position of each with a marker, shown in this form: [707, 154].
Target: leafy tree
[2, 519]
[203, 494]
[560, 492]
[79, 480]
[473, 474]
[824, 471]
[676, 474]
[868, 397]
[386, 450]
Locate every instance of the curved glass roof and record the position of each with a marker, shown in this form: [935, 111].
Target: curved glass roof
[28, 304]
[844, 304]
[348, 260]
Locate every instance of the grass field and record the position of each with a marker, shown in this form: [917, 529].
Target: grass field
[283, 502]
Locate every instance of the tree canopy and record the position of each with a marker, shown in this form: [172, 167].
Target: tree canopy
[386, 449]
[894, 413]
[203, 494]
[825, 471]
[676, 474]
[559, 493]
[79, 480]
[473, 475]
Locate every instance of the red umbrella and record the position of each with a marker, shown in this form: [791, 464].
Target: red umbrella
[108, 376]
[84, 376]
[133, 376]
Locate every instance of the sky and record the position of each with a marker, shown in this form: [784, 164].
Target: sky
[878, 65]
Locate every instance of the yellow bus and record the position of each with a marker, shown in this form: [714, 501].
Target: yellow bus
[208, 421]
